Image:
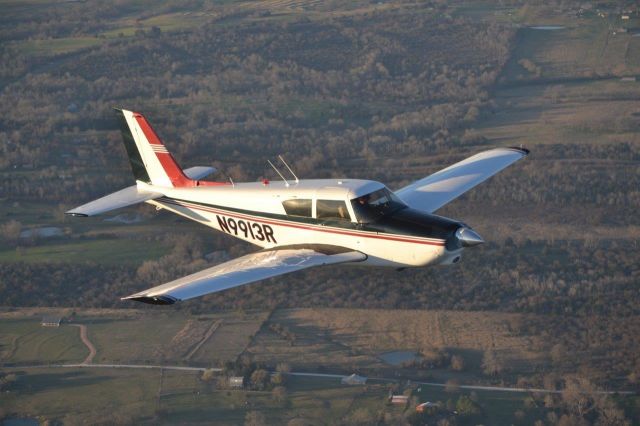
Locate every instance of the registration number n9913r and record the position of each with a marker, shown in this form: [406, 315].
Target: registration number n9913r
[246, 229]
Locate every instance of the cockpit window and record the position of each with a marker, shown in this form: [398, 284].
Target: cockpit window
[373, 206]
[297, 207]
[332, 209]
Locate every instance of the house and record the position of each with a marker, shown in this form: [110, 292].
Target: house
[236, 382]
[354, 379]
[51, 321]
[399, 399]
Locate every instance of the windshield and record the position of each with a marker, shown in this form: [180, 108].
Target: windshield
[373, 206]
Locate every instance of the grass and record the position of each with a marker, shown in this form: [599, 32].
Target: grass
[151, 334]
[25, 341]
[499, 407]
[89, 396]
[166, 22]
[58, 46]
[105, 251]
[586, 47]
[230, 339]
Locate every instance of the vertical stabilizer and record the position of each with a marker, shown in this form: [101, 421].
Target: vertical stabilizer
[150, 160]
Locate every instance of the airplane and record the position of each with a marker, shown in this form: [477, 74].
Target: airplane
[299, 224]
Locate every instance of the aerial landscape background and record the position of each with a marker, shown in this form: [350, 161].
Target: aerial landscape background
[390, 91]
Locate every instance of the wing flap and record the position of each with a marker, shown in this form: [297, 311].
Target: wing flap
[244, 270]
[123, 198]
[434, 191]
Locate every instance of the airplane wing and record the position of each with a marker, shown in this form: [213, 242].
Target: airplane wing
[123, 198]
[434, 191]
[246, 269]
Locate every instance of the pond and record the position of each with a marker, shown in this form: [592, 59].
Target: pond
[44, 232]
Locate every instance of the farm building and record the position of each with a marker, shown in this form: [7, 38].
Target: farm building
[51, 321]
[236, 382]
[354, 379]
[399, 399]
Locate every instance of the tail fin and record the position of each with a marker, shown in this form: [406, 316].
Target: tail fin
[150, 161]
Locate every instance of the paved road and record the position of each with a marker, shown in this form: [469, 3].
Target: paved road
[123, 366]
[301, 374]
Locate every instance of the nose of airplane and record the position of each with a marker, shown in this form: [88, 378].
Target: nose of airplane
[468, 237]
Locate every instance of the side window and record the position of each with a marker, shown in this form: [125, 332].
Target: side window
[297, 207]
[332, 209]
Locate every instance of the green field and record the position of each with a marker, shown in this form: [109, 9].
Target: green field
[107, 251]
[25, 341]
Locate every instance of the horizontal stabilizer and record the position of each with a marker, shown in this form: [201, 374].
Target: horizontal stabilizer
[198, 172]
[123, 198]
[244, 270]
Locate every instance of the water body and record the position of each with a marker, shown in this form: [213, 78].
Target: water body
[44, 232]
[548, 27]
[398, 357]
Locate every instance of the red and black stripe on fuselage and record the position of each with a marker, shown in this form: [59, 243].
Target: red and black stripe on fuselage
[405, 225]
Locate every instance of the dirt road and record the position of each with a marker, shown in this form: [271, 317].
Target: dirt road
[87, 343]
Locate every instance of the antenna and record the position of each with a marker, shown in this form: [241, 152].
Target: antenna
[289, 168]
[278, 172]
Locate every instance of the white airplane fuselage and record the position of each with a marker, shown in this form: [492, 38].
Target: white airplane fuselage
[254, 212]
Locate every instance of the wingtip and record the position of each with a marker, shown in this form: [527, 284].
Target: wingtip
[153, 300]
[75, 214]
[521, 149]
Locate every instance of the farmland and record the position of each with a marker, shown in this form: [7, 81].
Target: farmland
[337, 341]
[391, 91]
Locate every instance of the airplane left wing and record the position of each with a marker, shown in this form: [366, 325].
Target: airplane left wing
[246, 269]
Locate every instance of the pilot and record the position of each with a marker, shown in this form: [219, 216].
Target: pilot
[364, 200]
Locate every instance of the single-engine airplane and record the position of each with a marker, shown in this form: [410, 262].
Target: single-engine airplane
[298, 223]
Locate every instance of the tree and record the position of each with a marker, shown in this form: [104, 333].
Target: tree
[491, 365]
[278, 379]
[260, 379]
[10, 231]
[452, 385]
[255, 418]
[457, 363]
[466, 407]
[279, 394]
[208, 375]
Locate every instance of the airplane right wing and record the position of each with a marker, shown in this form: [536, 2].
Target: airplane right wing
[432, 192]
[246, 269]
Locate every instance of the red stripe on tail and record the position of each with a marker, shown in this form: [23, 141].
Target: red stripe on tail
[168, 163]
